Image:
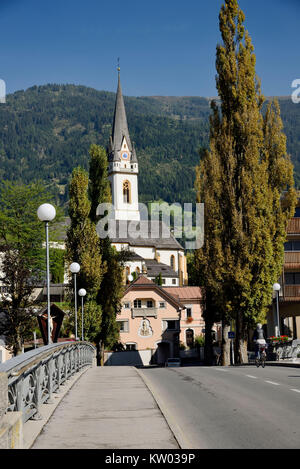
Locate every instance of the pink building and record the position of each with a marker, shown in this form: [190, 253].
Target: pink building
[156, 319]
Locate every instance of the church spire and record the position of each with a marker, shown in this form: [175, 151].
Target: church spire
[120, 126]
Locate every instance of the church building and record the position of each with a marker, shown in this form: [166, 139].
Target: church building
[156, 320]
[151, 254]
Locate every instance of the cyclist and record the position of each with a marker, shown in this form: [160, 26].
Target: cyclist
[259, 340]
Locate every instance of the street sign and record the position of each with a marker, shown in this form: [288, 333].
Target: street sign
[231, 335]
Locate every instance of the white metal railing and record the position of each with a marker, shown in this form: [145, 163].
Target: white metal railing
[34, 376]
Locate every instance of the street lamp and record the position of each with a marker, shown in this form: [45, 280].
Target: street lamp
[75, 268]
[276, 288]
[82, 293]
[47, 213]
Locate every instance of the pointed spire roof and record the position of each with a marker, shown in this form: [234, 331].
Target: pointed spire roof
[120, 126]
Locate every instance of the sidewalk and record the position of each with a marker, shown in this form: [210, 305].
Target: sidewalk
[108, 407]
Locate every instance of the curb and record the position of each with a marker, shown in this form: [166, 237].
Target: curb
[178, 434]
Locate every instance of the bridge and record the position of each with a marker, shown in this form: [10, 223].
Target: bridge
[56, 397]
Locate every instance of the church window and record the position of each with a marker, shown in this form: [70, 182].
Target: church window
[172, 262]
[126, 192]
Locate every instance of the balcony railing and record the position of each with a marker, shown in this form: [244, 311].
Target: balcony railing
[291, 291]
[292, 260]
[144, 312]
[294, 226]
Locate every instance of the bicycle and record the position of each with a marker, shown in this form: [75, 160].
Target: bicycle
[260, 360]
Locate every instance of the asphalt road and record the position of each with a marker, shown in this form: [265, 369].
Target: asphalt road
[230, 408]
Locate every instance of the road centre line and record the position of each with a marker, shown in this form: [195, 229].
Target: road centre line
[272, 382]
[250, 376]
[295, 390]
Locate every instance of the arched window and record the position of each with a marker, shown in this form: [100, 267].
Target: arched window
[172, 262]
[126, 192]
[189, 337]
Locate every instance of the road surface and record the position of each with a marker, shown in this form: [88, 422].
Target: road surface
[230, 408]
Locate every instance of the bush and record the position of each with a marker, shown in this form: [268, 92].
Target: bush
[200, 341]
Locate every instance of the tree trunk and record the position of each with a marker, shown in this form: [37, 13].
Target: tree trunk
[241, 341]
[98, 353]
[208, 346]
[225, 353]
[102, 354]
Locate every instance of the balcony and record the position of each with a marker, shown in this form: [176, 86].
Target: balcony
[293, 226]
[291, 260]
[144, 312]
[291, 292]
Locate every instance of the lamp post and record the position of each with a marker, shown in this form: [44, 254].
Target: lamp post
[47, 213]
[82, 293]
[75, 268]
[276, 288]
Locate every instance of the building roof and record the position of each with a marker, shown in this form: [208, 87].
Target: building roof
[154, 268]
[185, 293]
[144, 283]
[153, 234]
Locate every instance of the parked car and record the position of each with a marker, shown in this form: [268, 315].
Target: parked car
[173, 362]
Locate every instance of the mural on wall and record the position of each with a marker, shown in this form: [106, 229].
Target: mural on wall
[145, 329]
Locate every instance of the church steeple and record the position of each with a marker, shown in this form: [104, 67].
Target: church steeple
[123, 164]
[120, 126]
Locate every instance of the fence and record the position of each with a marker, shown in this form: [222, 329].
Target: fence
[34, 376]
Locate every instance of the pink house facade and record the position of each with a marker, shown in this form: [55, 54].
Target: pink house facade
[157, 319]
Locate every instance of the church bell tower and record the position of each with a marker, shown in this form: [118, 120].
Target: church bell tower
[123, 165]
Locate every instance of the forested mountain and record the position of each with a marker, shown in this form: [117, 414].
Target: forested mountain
[46, 131]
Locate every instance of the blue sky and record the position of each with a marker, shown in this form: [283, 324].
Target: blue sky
[166, 47]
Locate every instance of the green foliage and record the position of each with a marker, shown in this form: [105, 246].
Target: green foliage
[57, 265]
[158, 279]
[23, 259]
[46, 131]
[246, 182]
[199, 341]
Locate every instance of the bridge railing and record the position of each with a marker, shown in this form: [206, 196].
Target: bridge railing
[34, 376]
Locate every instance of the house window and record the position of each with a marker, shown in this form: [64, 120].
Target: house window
[162, 304]
[163, 281]
[149, 304]
[137, 303]
[292, 246]
[292, 278]
[126, 305]
[188, 312]
[124, 326]
[172, 325]
[126, 192]
[130, 347]
[174, 281]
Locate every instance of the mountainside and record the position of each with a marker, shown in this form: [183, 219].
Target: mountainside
[46, 131]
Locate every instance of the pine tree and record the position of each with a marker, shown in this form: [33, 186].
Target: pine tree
[241, 180]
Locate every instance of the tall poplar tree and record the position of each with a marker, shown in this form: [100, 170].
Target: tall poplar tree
[111, 289]
[246, 183]
[83, 247]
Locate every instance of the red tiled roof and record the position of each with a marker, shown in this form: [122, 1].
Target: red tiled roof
[192, 293]
[141, 280]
